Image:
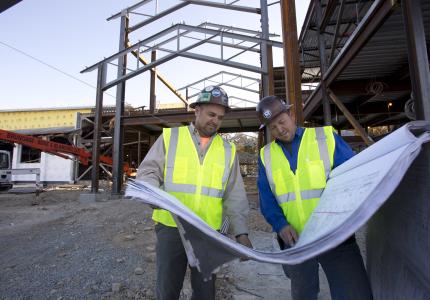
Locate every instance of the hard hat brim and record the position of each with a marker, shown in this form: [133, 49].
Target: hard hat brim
[287, 108]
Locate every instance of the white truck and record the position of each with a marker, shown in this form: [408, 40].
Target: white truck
[5, 171]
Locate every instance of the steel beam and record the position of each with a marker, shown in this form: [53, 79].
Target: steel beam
[376, 15]
[329, 9]
[323, 65]
[336, 31]
[199, 2]
[101, 79]
[360, 130]
[152, 84]
[179, 117]
[176, 28]
[291, 59]
[263, 49]
[160, 77]
[218, 74]
[118, 136]
[418, 59]
[151, 65]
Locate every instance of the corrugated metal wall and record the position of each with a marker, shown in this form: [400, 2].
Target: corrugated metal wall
[398, 240]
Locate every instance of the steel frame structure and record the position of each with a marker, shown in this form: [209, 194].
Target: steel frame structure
[341, 41]
[208, 33]
[230, 79]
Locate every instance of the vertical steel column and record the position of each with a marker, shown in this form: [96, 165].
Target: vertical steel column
[98, 123]
[139, 148]
[77, 143]
[117, 167]
[186, 97]
[266, 60]
[152, 84]
[265, 64]
[291, 59]
[418, 60]
[323, 65]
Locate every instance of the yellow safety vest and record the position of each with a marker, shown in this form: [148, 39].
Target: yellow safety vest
[199, 186]
[299, 193]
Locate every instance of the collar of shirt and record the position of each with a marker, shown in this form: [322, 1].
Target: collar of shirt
[197, 141]
[293, 146]
[194, 130]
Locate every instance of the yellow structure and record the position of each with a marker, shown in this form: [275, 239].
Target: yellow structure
[40, 118]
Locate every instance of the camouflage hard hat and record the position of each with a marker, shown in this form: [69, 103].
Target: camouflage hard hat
[212, 95]
[269, 108]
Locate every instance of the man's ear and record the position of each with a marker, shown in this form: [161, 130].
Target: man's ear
[291, 115]
[196, 110]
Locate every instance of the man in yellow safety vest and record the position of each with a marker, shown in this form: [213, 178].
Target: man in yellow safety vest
[201, 169]
[293, 170]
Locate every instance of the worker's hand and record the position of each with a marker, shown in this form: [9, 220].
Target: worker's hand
[288, 235]
[244, 240]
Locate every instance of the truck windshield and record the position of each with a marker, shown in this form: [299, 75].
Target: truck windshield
[4, 161]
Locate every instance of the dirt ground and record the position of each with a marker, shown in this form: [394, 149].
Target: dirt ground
[55, 247]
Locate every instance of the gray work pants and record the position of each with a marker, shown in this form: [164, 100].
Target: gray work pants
[171, 267]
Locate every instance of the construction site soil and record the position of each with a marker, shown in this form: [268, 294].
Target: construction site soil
[53, 246]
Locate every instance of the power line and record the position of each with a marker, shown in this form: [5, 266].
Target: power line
[51, 66]
[61, 71]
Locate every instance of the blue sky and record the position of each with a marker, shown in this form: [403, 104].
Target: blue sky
[70, 35]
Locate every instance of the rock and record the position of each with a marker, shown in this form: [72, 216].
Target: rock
[120, 260]
[149, 294]
[138, 271]
[129, 237]
[116, 287]
[150, 248]
[150, 257]
[186, 293]
[130, 294]
[62, 254]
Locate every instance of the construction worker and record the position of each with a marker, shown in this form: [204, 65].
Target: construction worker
[293, 170]
[194, 164]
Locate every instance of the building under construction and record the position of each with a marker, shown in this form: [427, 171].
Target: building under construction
[356, 65]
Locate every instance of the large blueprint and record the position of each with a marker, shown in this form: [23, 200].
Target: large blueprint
[354, 192]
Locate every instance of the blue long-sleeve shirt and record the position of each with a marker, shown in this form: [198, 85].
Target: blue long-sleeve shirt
[269, 207]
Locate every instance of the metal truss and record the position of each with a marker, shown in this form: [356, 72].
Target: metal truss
[245, 41]
[223, 78]
[149, 18]
[180, 40]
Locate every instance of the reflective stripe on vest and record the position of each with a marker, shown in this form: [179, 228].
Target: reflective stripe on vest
[298, 193]
[201, 191]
